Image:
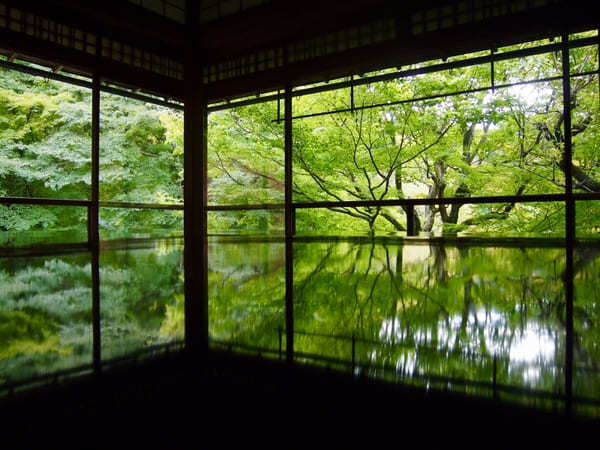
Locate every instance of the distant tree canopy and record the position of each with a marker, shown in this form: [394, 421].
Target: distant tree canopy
[432, 143]
[508, 141]
[45, 151]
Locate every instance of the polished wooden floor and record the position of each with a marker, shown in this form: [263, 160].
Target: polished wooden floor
[238, 402]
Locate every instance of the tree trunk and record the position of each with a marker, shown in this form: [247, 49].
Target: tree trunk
[398, 183]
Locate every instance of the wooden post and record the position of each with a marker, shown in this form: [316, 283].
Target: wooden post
[195, 198]
[289, 230]
[410, 220]
[93, 229]
[569, 225]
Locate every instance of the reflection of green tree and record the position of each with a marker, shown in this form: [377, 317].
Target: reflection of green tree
[419, 310]
[587, 318]
[46, 315]
[447, 313]
[247, 292]
[140, 292]
[45, 309]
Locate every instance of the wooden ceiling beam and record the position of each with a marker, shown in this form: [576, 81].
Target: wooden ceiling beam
[82, 63]
[116, 19]
[405, 50]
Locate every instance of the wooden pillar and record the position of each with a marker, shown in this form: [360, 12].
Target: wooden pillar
[195, 154]
[569, 225]
[288, 144]
[93, 229]
[289, 230]
[411, 229]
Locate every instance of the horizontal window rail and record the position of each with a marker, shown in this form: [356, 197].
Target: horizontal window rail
[44, 250]
[587, 196]
[463, 241]
[144, 98]
[150, 351]
[433, 201]
[247, 102]
[85, 203]
[45, 74]
[47, 378]
[253, 207]
[532, 198]
[228, 345]
[43, 201]
[127, 205]
[86, 84]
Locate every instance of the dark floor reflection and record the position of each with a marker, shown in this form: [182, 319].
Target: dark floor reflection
[479, 319]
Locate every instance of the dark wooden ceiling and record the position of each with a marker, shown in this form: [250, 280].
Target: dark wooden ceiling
[280, 23]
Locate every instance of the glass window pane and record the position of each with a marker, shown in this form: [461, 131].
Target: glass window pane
[322, 102]
[585, 126]
[527, 68]
[481, 144]
[129, 223]
[530, 44]
[45, 138]
[141, 151]
[583, 34]
[541, 219]
[261, 222]
[355, 221]
[246, 156]
[587, 219]
[492, 220]
[22, 225]
[583, 59]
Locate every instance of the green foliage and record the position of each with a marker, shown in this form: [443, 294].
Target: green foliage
[421, 311]
[483, 143]
[45, 151]
[46, 307]
[141, 159]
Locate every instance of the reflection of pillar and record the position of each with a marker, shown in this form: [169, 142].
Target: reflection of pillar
[289, 300]
[195, 193]
[569, 332]
[96, 333]
[569, 224]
